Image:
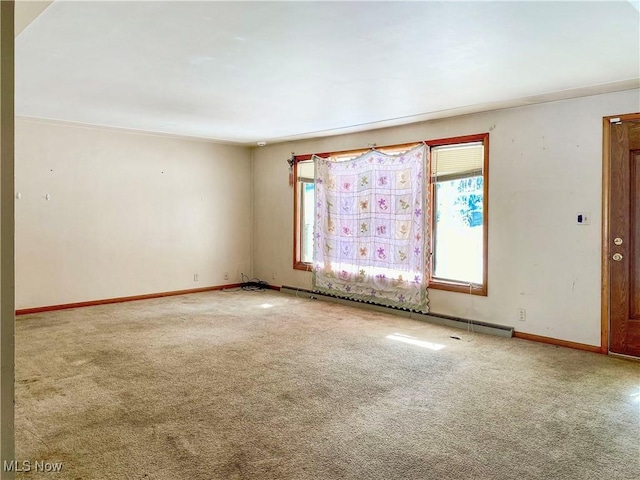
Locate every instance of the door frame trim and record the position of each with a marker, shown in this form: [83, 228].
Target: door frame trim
[605, 291]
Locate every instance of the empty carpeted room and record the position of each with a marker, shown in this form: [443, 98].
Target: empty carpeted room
[320, 240]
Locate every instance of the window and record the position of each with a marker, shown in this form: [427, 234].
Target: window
[306, 201]
[458, 189]
[459, 214]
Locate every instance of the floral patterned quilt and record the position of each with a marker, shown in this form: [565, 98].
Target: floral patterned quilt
[371, 228]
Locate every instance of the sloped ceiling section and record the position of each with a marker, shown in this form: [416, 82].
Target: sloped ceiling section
[240, 72]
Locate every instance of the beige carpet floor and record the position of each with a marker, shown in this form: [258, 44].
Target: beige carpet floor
[262, 385]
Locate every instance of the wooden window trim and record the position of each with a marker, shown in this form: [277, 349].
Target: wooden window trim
[298, 264]
[452, 285]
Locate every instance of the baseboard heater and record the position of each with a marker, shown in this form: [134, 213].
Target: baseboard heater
[444, 320]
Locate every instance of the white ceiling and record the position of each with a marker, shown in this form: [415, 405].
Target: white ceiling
[243, 72]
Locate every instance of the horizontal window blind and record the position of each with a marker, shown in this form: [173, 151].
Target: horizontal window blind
[457, 161]
[306, 171]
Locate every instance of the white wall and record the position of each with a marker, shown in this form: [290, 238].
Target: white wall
[545, 166]
[128, 214]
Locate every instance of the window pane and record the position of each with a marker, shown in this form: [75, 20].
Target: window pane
[307, 222]
[458, 232]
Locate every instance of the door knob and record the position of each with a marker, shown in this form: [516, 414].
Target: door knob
[617, 241]
[617, 257]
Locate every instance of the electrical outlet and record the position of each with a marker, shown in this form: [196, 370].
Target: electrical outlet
[273, 275]
[226, 275]
[196, 277]
[522, 314]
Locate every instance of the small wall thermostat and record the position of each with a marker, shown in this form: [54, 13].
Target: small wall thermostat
[583, 218]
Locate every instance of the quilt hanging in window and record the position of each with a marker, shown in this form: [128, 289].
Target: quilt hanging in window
[372, 228]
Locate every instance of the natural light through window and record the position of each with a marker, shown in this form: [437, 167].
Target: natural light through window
[306, 206]
[399, 337]
[458, 182]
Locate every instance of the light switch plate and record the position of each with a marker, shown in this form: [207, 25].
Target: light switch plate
[583, 218]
